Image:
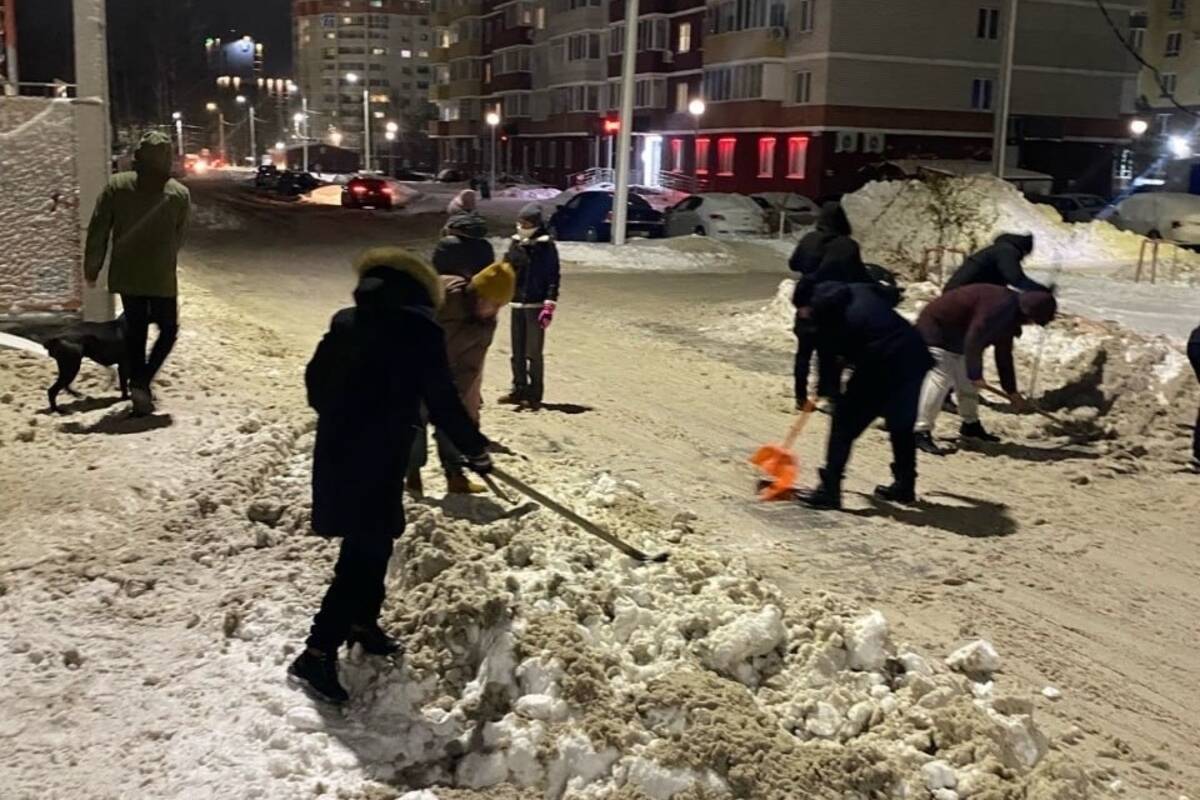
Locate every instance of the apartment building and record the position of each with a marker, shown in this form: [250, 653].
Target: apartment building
[1168, 36]
[342, 46]
[799, 95]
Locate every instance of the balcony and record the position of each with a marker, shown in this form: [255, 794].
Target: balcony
[508, 37]
[459, 127]
[439, 55]
[745, 45]
[511, 81]
[467, 47]
[440, 91]
[465, 87]
[452, 10]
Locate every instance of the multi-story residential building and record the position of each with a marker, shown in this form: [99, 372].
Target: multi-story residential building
[1167, 38]
[799, 95]
[344, 46]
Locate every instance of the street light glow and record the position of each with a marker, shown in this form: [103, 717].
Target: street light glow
[1138, 126]
[241, 99]
[297, 118]
[351, 77]
[696, 107]
[177, 116]
[390, 136]
[335, 139]
[280, 145]
[210, 106]
[1179, 147]
[493, 118]
[392, 127]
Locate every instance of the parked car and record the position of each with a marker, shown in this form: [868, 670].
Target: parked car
[405, 174]
[452, 176]
[1161, 215]
[801, 211]
[1072, 207]
[716, 214]
[266, 176]
[296, 182]
[368, 192]
[587, 217]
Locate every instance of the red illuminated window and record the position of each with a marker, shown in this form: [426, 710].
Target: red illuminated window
[677, 155]
[725, 149]
[702, 156]
[797, 156]
[766, 157]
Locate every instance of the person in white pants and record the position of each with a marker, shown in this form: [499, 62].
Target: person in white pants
[958, 327]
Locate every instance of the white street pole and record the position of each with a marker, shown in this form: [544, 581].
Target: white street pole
[1000, 137]
[253, 141]
[179, 135]
[366, 129]
[304, 111]
[11, 76]
[492, 183]
[94, 153]
[624, 135]
[221, 137]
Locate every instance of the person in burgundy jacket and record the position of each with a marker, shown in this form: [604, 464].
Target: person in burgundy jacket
[958, 327]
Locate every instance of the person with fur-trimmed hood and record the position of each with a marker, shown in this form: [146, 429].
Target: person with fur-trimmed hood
[534, 256]
[371, 373]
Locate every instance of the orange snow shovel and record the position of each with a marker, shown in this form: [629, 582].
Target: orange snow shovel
[778, 462]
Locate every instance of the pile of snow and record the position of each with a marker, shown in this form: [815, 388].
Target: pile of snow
[896, 221]
[526, 192]
[331, 195]
[679, 254]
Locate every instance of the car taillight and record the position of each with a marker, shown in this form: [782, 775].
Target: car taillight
[359, 189]
[717, 216]
[387, 190]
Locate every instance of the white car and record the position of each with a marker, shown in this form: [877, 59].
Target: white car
[716, 214]
[1161, 215]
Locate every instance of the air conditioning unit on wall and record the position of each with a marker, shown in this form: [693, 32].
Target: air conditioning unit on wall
[873, 142]
[847, 142]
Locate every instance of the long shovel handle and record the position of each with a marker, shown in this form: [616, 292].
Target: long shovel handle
[798, 425]
[571, 516]
[1032, 406]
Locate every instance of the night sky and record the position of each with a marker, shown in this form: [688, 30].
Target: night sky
[156, 47]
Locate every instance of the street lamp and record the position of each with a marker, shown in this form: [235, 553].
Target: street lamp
[210, 107]
[241, 101]
[696, 109]
[1138, 126]
[493, 119]
[280, 145]
[352, 79]
[335, 138]
[220, 130]
[1179, 147]
[178, 117]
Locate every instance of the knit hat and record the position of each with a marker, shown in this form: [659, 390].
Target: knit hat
[495, 283]
[532, 214]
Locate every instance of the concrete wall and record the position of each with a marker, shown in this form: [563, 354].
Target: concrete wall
[40, 247]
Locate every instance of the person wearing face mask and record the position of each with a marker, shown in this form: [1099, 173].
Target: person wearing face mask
[468, 316]
[144, 213]
[534, 257]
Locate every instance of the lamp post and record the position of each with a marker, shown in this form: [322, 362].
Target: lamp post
[352, 79]
[1138, 127]
[178, 117]
[493, 119]
[241, 99]
[392, 129]
[696, 109]
[213, 107]
[628, 70]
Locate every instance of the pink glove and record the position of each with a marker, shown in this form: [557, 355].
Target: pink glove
[546, 316]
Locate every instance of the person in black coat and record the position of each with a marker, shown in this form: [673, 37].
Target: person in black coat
[857, 324]
[1193, 353]
[367, 381]
[534, 256]
[464, 248]
[998, 264]
[825, 254]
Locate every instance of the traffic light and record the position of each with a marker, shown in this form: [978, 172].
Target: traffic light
[612, 126]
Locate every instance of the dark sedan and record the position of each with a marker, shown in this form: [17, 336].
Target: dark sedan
[368, 192]
[587, 217]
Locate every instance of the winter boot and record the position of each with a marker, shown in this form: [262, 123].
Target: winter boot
[926, 444]
[458, 483]
[414, 484]
[317, 674]
[976, 431]
[514, 398]
[143, 401]
[902, 490]
[827, 496]
[373, 640]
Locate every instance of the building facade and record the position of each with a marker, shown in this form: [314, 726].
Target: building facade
[799, 95]
[345, 46]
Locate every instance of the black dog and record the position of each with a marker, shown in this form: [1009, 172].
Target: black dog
[102, 342]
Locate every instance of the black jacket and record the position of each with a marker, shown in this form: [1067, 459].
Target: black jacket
[856, 322]
[1193, 351]
[998, 264]
[536, 263]
[826, 254]
[367, 380]
[465, 249]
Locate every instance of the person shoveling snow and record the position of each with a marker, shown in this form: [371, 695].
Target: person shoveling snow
[998, 264]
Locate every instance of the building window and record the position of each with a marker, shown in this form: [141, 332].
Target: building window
[681, 97]
[766, 157]
[981, 94]
[740, 82]
[702, 156]
[725, 148]
[804, 16]
[551, 153]
[987, 25]
[487, 72]
[583, 47]
[803, 87]
[1169, 81]
[652, 34]
[406, 53]
[1137, 39]
[1177, 8]
[567, 155]
[729, 16]
[677, 155]
[1174, 43]
[685, 38]
[797, 156]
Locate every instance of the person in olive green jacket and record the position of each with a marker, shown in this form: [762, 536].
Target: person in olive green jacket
[145, 213]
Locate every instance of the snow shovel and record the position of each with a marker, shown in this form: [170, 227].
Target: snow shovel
[777, 460]
[571, 516]
[1029, 403]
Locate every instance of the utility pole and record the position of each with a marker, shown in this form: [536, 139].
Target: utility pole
[94, 154]
[221, 137]
[304, 131]
[11, 77]
[624, 135]
[366, 125]
[253, 141]
[1000, 136]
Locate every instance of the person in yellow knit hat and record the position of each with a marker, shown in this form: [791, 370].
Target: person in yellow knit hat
[468, 316]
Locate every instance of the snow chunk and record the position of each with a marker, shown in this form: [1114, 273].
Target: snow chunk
[939, 775]
[731, 646]
[866, 642]
[977, 660]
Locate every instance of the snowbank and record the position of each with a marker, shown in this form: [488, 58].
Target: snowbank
[526, 192]
[895, 221]
[402, 195]
[679, 254]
